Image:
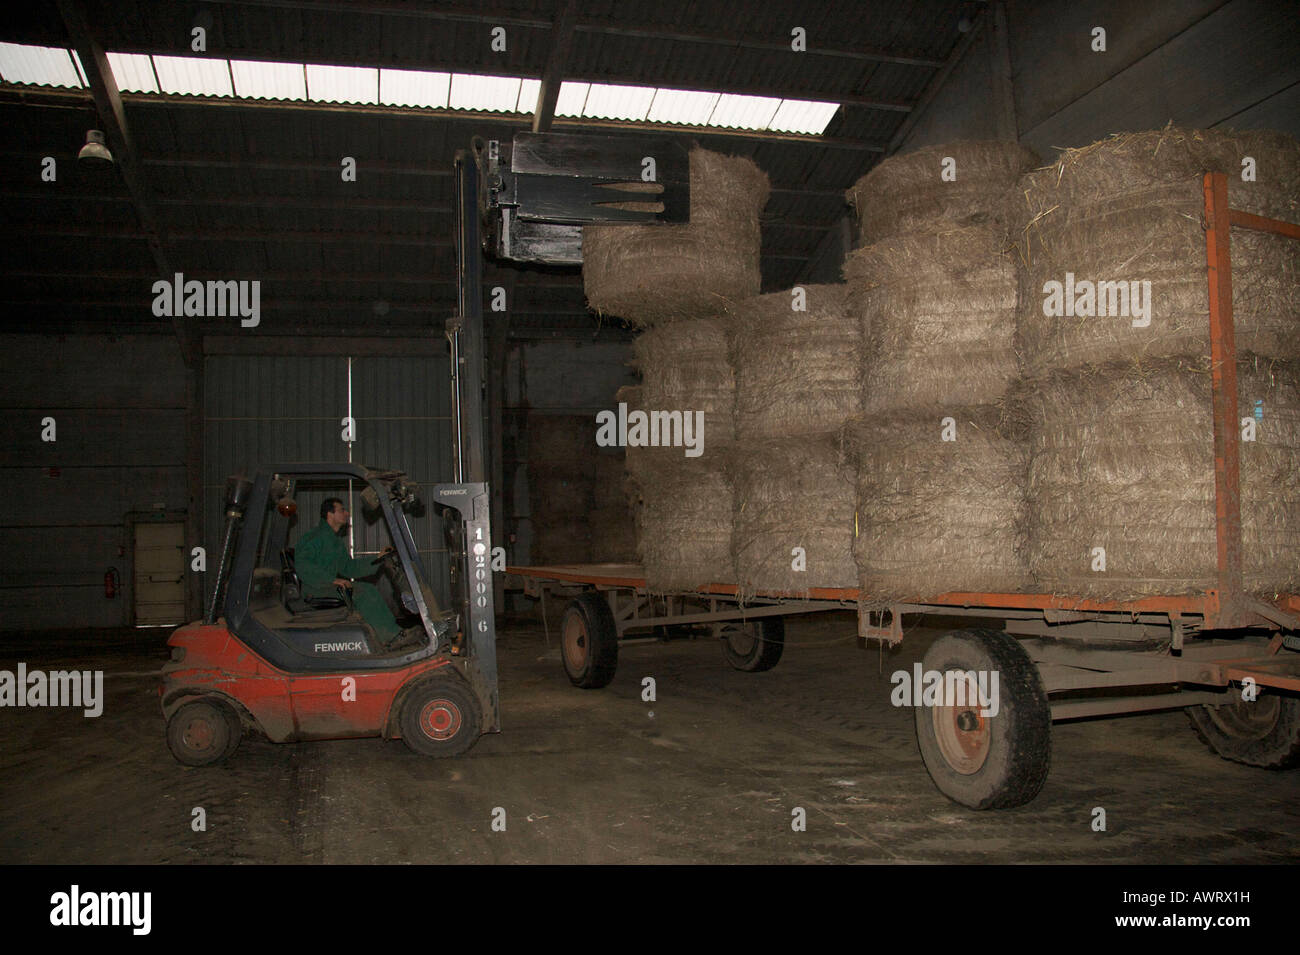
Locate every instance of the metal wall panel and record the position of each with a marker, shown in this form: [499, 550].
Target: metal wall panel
[118, 403]
[265, 409]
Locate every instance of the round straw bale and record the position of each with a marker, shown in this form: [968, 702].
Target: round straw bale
[657, 273]
[1122, 458]
[938, 315]
[796, 371]
[938, 516]
[684, 528]
[794, 492]
[685, 367]
[1128, 212]
[905, 193]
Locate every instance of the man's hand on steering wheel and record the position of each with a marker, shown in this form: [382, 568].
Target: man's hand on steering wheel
[385, 554]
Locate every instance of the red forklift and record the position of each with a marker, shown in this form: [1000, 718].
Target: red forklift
[267, 659]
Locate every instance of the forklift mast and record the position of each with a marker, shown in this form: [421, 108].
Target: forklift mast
[527, 201]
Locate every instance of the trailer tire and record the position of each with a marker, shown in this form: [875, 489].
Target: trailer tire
[987, 762]
[589, 641]
[753, 646]
[1263, 733]
[441, 717]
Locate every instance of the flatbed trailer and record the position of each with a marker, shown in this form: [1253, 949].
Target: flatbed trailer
[1228, 657]
[1058, 658]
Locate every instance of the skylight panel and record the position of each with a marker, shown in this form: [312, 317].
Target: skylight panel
[803, 116]
[259, 80]
[38, 65]
[529, 90]
[493, 93]
[342, 84]
[414, 88]
[192, 76]
[618, 102]
[684, 107]
[572, 99]
[133, 72]
[744, 112]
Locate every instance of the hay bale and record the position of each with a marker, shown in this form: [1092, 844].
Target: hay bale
[905, 193]
[1129, 209]
[1122, 457]
[938, 516]
[560, 444]
[684, 527]
[938, 318]
[793, 492]
[659, 273]
[685, 367]
[613, 536]
[795, 372]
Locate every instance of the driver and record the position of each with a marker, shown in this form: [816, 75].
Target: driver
[322, 561]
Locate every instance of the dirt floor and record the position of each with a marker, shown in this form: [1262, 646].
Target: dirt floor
[709, 772]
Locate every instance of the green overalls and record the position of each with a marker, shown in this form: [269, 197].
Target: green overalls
[321, 556]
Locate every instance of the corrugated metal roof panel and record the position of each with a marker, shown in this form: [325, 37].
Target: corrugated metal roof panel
[261, 80]
[133, 72]
[193, 76]
[38, 65]
[342, 84]
[413, 88]
[618, 102]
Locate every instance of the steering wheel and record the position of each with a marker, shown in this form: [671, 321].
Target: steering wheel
[389, 554]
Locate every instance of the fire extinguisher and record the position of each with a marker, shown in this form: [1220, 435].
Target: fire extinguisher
[111, 583]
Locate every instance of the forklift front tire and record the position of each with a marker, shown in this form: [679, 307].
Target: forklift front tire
[441, 717]
[203, 733]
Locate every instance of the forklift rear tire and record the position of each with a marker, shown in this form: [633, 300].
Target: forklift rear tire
[1264, 732]
[753, 645]
[995, 761]
[441, 717]
[589, 641]
[203, 733]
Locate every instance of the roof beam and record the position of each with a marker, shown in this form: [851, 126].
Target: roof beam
[108, 103]
[556, 58]
[936, 83]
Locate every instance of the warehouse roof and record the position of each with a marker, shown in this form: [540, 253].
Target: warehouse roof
[243, 180]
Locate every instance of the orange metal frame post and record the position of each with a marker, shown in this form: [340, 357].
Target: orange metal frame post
[1223, 373]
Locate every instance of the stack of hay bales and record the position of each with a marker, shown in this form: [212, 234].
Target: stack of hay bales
[677, 279]
[1118, 405]
[684, 503]
[561, 487]
[795, 356]
[941, 478]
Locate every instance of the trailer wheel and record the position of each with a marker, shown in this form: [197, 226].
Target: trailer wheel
[753, 645]
[441, 717]
[589, 641]
[203, 733]
[987, 762]
[1264, 733]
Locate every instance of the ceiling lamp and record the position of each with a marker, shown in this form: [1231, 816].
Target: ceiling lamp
[95, 152]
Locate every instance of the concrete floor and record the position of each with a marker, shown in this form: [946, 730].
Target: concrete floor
[708, 773]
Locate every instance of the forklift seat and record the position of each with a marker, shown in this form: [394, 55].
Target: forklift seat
[291, 590]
